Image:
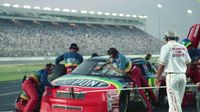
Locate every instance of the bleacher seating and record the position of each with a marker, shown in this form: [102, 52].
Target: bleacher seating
[29, 38]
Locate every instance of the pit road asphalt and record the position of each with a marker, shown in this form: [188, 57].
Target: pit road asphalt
[9, 91]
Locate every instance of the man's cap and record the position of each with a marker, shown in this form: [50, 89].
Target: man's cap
[171, 35]
[74, 46]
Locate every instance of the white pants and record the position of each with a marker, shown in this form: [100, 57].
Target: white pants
[175, 91]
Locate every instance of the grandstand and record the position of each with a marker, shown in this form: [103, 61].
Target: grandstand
[28, 32]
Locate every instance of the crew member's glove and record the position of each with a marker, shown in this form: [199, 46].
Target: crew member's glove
[97, 68]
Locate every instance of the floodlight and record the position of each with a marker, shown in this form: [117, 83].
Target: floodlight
[121, 15]
[65, 10]
[107, 13]
[145, 17]
[36, 7]
[74, 11]
[16, 6]
[6, 5]
[91, 12]
[83, 11]
[26, 6]
[128, 15]
[99, 13]
[159, 6]
[47, 8]
[189, 11]
[56, 9]
[140, 16]
[134, 16]
[114, 14]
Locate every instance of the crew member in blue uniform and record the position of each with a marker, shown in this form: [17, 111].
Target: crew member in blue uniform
[71, 59]
[33, 87]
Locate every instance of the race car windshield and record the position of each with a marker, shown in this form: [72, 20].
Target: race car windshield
[88, 68]
[84, 68]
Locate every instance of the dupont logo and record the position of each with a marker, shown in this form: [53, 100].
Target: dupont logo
[82, 82]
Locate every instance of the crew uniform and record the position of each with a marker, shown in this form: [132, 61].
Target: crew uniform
[33, 87]
[43, 80]
[174, 57]
[31, 94]
[72, 58]
[193, 71]
[135, 74]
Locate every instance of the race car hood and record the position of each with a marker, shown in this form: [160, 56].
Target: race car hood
[91, 82]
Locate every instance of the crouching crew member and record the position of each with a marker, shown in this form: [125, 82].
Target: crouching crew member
[71, 59]
[34, 86]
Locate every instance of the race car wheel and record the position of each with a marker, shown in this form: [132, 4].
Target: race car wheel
[124, 101]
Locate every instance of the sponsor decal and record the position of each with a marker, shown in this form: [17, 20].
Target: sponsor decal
[82, 82]
[178, 52]
[112, 101]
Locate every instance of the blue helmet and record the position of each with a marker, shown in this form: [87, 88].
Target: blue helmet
[186, 43]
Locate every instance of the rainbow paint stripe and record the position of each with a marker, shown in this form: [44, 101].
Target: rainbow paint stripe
[115, 83]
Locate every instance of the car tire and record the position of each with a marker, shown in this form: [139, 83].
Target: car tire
[58, 71]
[124, 101]
[198, 101]
[17, 100]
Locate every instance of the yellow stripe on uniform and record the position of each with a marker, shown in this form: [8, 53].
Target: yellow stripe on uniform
[35, 78]
[71, 64]
[128, 68]
[24, 96]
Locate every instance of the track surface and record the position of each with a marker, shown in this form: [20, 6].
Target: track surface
[10, 90]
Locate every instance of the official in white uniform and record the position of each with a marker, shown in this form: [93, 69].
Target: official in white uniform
[173, 61]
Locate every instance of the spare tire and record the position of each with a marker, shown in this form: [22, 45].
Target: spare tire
[59, 70]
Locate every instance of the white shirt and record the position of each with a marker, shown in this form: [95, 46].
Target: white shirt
[174, 56]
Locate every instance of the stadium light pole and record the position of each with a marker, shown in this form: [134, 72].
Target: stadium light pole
[159, 7]
[190, 15]
[145, 27]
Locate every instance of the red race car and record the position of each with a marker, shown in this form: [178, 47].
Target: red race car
[87, 90]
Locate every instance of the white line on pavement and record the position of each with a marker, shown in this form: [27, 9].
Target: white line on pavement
[9, 93]
[10, 86]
